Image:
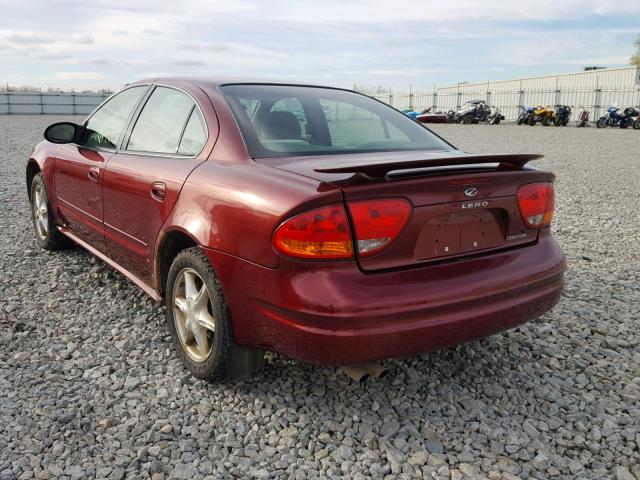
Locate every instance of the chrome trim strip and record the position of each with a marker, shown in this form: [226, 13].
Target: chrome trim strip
[81, 210]
[137, 240]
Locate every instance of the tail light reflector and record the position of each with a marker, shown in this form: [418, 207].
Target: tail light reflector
[377, 223]
[536, 202]
[322, 233]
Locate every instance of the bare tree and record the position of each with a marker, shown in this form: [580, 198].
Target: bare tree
[635, 58]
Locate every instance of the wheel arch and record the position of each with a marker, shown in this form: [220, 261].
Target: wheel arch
[171, 243]
[32, 170]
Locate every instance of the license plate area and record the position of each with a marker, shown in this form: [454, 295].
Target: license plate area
[459, 232]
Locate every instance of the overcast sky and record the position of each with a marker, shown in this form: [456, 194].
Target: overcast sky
[106, 43]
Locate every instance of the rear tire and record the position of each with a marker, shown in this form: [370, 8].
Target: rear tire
[200, 324]
[47, 234]
[532, 121]
[546, 121]
[636, 125]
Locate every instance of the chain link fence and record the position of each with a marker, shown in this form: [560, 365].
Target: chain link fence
[510, 102]
[49, 103]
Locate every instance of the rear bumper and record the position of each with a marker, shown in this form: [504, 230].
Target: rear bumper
[335, 314]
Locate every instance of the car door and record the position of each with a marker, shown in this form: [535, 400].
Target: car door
[78, 168]
[143, 180]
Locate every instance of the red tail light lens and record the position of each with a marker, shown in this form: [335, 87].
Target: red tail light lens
[536, 202]
[320, 233]
[377, 223]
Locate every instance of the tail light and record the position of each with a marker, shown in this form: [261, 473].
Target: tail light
[536, 202]
[377, 223]
[325, 233]
[320, 233]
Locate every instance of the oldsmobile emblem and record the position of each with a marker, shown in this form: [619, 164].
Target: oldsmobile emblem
[471, 192]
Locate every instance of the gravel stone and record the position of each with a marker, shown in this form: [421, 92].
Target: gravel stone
[92, 388]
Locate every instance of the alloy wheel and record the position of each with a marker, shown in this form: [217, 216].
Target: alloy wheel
[40, 211]
[193, 314]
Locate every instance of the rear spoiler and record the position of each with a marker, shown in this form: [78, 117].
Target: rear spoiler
[380, 168]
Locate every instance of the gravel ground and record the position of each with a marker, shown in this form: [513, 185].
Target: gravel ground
[90, 386]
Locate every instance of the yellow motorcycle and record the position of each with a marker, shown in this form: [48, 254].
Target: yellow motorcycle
[546, 115]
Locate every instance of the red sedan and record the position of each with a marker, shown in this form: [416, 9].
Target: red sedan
[315, 222]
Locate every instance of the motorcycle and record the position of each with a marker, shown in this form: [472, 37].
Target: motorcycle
[563, 113]
[631, 117]
[525, 115]
[583, 119]
[495, 117]
[544, 114]
[617, 118]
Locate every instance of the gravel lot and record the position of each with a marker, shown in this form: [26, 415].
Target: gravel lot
[90, 385]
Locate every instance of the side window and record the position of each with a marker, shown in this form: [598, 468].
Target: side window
[194, 136]
[161, 122]
[351, 126]
[105, 125]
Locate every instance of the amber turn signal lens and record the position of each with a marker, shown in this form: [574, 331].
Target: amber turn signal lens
[322, 233]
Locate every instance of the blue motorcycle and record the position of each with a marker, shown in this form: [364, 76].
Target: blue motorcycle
[525, 115]
[615, 117]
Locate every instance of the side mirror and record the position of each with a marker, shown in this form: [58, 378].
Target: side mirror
[62, 132]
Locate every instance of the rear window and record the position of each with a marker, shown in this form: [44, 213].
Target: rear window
[283, 121]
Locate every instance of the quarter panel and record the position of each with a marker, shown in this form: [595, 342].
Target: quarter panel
[234, 208]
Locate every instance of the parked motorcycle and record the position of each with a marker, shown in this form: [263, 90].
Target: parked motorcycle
[546, 115]
[525, 115]
[631, 118]
[563, 113]
[615, 117]
[495, 117]
[583, 119]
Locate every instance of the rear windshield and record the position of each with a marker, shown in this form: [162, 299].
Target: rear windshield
[284, 121]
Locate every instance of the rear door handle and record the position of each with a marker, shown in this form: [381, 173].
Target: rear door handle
[93, 174]
[158, 191]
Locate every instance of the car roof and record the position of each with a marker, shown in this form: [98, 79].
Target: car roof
[215, 82]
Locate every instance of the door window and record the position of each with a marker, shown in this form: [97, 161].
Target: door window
[194, 136]
[107, 124]
[161, 123]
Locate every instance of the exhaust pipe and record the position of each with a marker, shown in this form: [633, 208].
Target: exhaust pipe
[376, 370]
[356, 372]
[361, 373]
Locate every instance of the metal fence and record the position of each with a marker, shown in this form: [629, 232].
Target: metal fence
[49, 103]
[510, 102]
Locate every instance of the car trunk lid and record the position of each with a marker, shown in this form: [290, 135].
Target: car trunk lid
[462, 204]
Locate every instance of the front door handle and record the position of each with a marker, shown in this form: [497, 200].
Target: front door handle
[158, 191]
[94, 174]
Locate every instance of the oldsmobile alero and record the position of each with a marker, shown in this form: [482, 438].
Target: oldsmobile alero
[314, 222]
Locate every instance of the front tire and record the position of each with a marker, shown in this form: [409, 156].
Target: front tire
[199, 321]
[601, 123]
[47, 234]
[636, 125]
